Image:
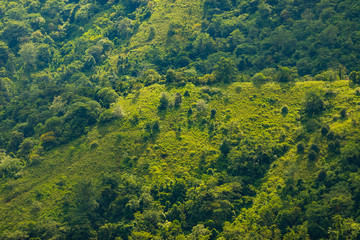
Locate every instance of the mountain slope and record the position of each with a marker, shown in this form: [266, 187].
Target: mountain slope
[137, 119]
[186, 156]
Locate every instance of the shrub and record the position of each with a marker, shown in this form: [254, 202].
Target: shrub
[9, 166]
[178, 100]
[324, 130]
[315, 148]
[313, 103]
[331, 146]
[94, 144]
[285, 74]
[337, 143]
[312, 155]
[35, 159]
[357, 91]
[48, 140]
[151, 76]
[355, 77]
[225, 71]
[106, 116]
[213, 113]
[321, 176]
[312, 125]
[118, 111]
[156, 127]
[135, 119]
[107, 96]
[164, 102]
[26, 146]
[284, 110]
[190, 111]
[259, 79]
[343, 113]
[225, 147]
[300, 148]
[330, 135]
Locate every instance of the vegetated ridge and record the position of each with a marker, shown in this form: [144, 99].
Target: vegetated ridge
[179, 119]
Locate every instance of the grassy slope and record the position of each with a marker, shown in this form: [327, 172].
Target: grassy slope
[187, 14]
[240, 104]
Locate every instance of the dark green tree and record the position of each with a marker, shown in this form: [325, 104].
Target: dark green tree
[225, 71]
[164, 102]
[313, 103]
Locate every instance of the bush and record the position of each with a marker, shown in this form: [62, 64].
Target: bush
[313, 103]
[324, 130]
[343, 113]
[337, 144]
[135, 119]
[312, 125]
[106, 96]
[26, 146]
[150, 77]
[300, 148]
[330, 135]
[156, 127]
[321, 176]
[225, 147]
[118, 111]
[315, 148]
[284, 110]
[9, 166]
[35, 159]
[106, 116]
[355, 77]
[213, 113]
[331, 146]
[225, 71]
[259, 79]
[48, 140]
[164, 102]
[312, 155]
[178, 100]
[285, 74]
[357, 91]
[190, 111]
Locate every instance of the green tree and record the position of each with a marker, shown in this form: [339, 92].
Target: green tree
[355, 77]
[14, 31]
[259, 79]
[164, 102]
[83, 213]
[285, 74]
[8, 165]
[107, 96]
[313, 103]
[225, 71]
[4, 53]
[29, 53]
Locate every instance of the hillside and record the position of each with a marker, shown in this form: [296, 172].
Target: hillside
[128, 177]
[203, 119]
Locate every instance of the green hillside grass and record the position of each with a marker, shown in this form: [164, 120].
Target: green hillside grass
[184, 15]
[244, 113]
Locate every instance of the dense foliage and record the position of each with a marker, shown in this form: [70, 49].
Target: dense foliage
[214, 119]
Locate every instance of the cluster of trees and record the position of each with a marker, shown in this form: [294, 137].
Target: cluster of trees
[310, 37]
